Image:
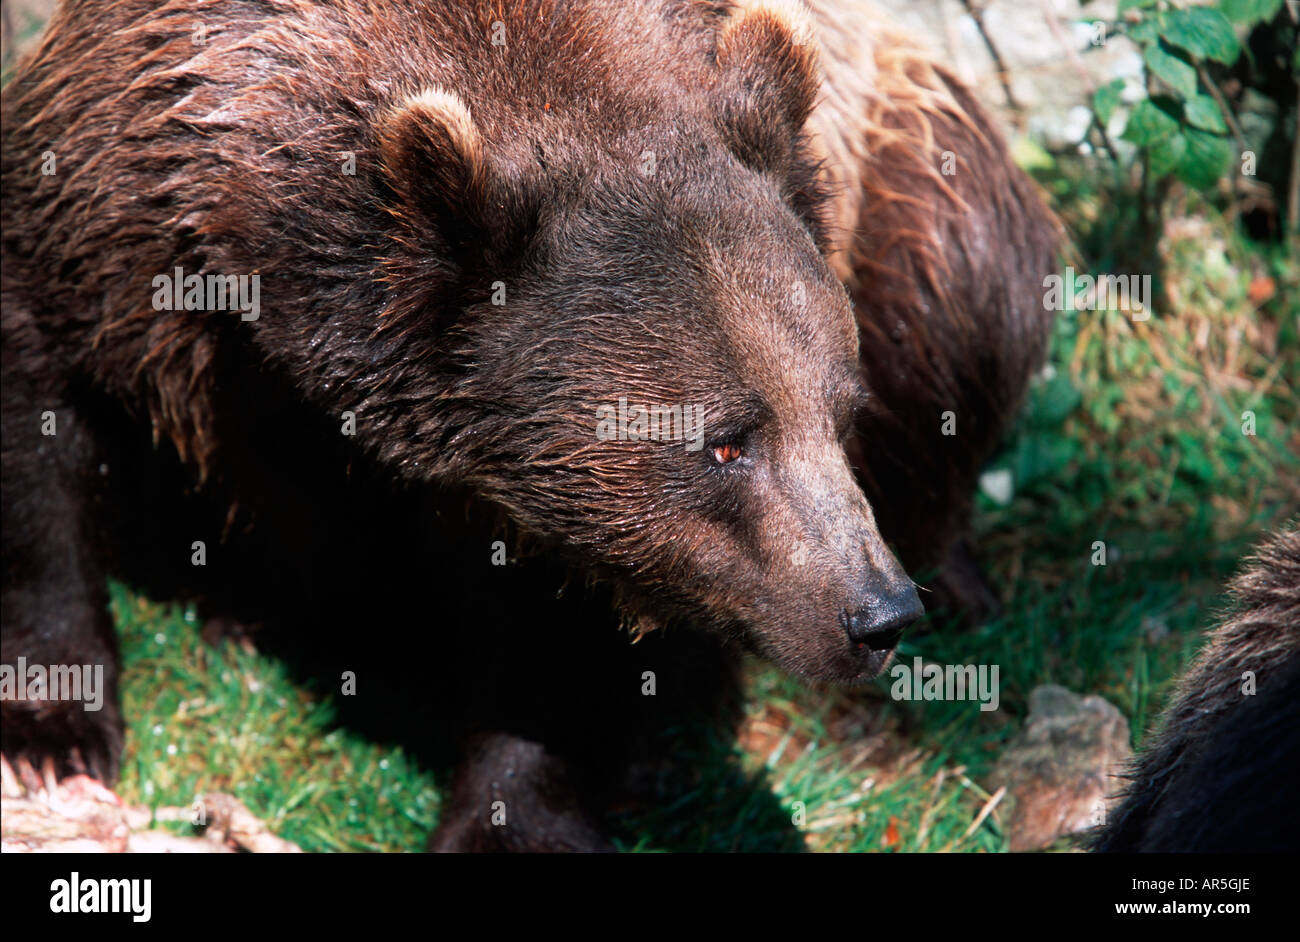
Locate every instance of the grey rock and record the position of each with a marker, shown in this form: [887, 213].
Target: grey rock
[1062, 771]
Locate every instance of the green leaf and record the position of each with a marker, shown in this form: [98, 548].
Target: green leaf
[1150, 122]
[1028, 154]
[1250, 11]
[1148, 31]
[1194, 463]
[1105, 99]
[1206, 160]
[1202, 31]
[1041, 456]
[1173, 71]
[1054, 401]
[1203, 112]
[1126, 5]
[1164, 157]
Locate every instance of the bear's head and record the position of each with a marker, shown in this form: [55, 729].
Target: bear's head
[652, 364]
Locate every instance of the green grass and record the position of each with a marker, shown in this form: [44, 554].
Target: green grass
[216, 718]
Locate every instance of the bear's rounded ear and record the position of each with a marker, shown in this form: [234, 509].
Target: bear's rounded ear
[435, 162]
[768, 80]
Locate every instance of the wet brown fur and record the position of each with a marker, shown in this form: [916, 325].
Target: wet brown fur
[477, 164]
[946, 272]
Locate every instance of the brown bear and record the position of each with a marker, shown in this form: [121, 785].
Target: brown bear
[942, 244]
[1215, 776]
[304, 303]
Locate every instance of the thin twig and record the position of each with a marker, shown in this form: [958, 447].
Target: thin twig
[1222, 102]
[977, 14]
[986, 811]
[1293, 194]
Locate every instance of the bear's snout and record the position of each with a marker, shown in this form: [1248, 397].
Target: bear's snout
[879, 624]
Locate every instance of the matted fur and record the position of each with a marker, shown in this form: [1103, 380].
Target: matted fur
[647, 181]
[946, 271]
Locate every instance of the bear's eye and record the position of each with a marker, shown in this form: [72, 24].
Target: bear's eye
[726, 454]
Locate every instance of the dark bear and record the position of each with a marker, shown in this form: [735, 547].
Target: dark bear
[329, 297]
[1215, 776]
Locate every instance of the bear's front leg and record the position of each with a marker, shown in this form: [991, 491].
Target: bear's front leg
[510, 794]
[59, 705]
[564, 723]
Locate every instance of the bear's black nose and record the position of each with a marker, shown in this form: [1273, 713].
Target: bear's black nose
[880, 625]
